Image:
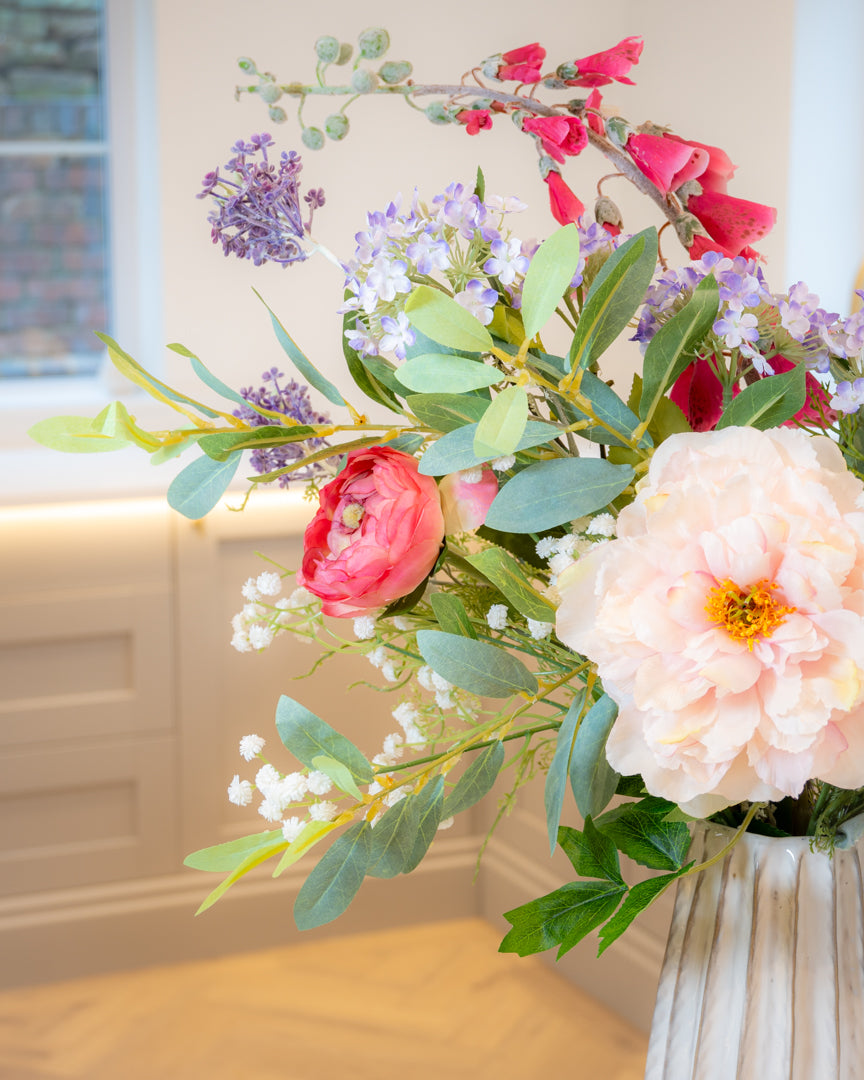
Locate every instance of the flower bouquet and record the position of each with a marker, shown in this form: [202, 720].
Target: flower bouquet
[651, 596]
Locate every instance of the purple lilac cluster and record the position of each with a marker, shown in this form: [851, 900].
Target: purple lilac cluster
[758, 323]
[289, 399]
[258, 215]
[458, 238]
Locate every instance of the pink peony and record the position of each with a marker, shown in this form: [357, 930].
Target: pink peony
[727, 619]
[466, 501]
[376, 535]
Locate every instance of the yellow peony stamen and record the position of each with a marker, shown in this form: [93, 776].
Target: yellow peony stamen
[746, 614]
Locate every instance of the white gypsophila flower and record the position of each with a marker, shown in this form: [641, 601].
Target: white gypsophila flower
[295, 786]
[540, 630]
[249, 591]
[364, 627]
[602, 525]
[440, 683]
[389, 671]
[496, 617]
[271, 809]
[546, 547]
[443, 700]
[238, 623]
[566, 545]
[260, 636]
[424, 677]
[269, 583]
[301, 597]
[282, 604]
[323, 811]
[471, 476]
[251, 612]
[267, 778]
[251, 746]
[401, 623]
[414, 737]
[318, 783]
[558, 563]
[240, 641]
[292, 827]
[375, 787]
[239, 791]
[405, 713]
[393, 744]
[377, 657]
[502, 464]
[395, 796]
[446, 823]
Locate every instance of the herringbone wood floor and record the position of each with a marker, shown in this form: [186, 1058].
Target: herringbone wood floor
[416, 1003]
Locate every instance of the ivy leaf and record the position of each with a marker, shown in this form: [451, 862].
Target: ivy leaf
[592, 853]
[642, 832]
[562, 917]
[639, 897]
[334, 882]
[476, 781]
[308, 737]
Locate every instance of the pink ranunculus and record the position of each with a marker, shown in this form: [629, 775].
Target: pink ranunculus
[466, 498]
[727, 619]
[601, 68]
[475, 120]
[565, 205]
[560, 135]
[376, 535]
[524, 64]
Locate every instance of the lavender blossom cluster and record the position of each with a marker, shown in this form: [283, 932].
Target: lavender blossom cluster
[761, 324]
[458, 237]
[258, 214]
[290, 399]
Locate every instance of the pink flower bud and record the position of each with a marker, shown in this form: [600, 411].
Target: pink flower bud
[466, 504]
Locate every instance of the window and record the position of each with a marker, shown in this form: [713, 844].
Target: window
[54, 274]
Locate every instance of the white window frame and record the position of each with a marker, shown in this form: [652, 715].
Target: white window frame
[135, 298]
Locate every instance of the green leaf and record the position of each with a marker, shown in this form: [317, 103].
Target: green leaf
[556, 777]
[334, 882]
[455, 451]
[393, 837]
[607, 408]
[480, 185]
[475, 665]
[363, 377]
[562, 917]
[508, 577]
[613, 298]
[553, 492]
[298, 358]
[451, 615]
[339, 774]
[519, 544]
[198, 488]
[591, 776]
[671, 349]
[446, 412]
[308, 737]
[432, 372]
[228, 856]
[446, 322]
[75, 435]
[207, 377]
[476, 781]
[222, 445]
[409, 442]
[639, 897]
[428, 804]
[592, 853]
[383, 372]
[552, 269]
[642, 833]
[311, 833]
[769, 402]
[503, 424]
[254, 858]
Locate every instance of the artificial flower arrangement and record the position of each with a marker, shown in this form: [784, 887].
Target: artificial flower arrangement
[656, 595]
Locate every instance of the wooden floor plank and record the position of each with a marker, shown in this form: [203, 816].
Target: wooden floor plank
[433, 1001]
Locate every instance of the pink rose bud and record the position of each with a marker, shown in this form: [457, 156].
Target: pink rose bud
[466, 503]
[376, 535]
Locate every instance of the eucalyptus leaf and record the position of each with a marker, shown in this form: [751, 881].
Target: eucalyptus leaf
[455, 450]
[476, 781]
[511, 580]
[198, 488]
[433, 372]
[311, 833]
[255, 857]
[445, 321]
[609, 411]
[222, 445]
[75, 435]
[451, 615]
[334, 882]
[340, 775]
[226, 857]
[392, 845]
[308, 737]
[552, 268]
[446, 412]
[553, 492]
[208, 378]
[503, 424]
[428, 804]
[363, 377]
[556, 777]
[592, 778]
[475, 666]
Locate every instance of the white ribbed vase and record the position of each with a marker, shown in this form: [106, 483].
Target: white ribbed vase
[764, 971]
